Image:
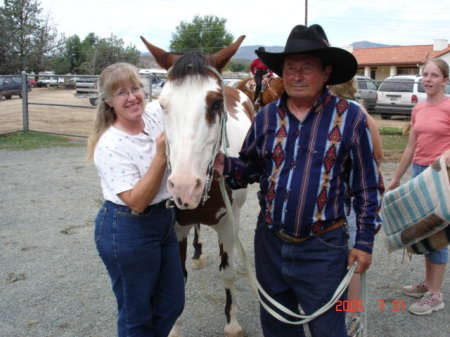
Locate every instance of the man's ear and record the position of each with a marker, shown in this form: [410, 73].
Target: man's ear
[328, 69]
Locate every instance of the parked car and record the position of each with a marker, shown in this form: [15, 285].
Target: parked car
[398, 95]
[49, 81]
[232, 82]
[156, 89]
[11, 85]
[367, 91]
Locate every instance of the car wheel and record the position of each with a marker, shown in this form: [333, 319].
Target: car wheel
[8, 96]
[93, 101]
[1, 96]
[20, 93]
[385, 116]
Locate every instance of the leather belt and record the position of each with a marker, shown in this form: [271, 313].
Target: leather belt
[288, 238]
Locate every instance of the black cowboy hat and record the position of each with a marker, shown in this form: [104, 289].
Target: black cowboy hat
[313, 41]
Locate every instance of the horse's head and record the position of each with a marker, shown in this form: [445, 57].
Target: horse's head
[193, 100]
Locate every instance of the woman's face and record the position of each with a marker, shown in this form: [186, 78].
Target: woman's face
[433, 80]
[128, 102]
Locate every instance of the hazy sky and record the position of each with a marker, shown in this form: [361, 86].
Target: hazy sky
[268, 23]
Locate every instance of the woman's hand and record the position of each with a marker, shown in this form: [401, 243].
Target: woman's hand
[446, 156]
[161, 146]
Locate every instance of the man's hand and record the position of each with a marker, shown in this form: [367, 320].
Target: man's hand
[363, 258]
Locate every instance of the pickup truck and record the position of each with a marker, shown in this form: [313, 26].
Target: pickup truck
[52, 81]
[86, 87]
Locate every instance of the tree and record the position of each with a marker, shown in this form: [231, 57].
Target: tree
[237, 67]
[27, 37]
[106, 52]
[207, 34]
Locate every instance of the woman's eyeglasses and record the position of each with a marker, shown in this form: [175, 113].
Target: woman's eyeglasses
[124, 94]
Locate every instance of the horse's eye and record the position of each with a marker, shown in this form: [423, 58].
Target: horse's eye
[163, 108]
[217, 105]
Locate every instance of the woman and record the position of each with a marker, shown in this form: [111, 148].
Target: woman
[429, 139]
[348, 91]
[134, 230]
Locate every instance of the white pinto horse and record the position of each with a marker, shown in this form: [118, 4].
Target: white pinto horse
[198, 111]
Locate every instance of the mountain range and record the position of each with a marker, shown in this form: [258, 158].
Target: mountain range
[248, 52]
[245, 54]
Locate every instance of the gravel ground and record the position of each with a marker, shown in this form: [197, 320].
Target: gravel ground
[52, 282]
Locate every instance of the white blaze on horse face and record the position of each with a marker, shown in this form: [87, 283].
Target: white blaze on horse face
[190, 136]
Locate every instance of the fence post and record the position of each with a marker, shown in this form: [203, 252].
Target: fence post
[25, 101]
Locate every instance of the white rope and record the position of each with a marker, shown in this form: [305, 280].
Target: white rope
[259, 290]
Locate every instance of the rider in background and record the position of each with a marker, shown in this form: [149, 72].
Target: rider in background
[258, 70]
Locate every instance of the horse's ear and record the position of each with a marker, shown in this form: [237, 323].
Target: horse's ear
[163, 58]
[222, 57]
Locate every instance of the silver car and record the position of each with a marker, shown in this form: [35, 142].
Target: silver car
[367, 92]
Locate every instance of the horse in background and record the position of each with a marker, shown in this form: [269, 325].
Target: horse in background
[198, 108]
[247, 86]
[272, 88]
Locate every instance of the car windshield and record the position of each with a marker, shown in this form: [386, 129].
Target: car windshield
[397, 85]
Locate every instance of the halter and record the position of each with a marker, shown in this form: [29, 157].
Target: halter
[221, 138]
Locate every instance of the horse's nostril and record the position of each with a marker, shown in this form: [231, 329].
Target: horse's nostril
[179, 202]
[198, 183]
[186, 205]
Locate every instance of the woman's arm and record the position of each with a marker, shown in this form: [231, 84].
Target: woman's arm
[146, 189]
[405, 161]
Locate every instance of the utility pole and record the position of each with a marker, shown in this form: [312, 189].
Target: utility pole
[306, 12]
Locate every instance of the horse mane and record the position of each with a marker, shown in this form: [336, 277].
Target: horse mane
[190, 63]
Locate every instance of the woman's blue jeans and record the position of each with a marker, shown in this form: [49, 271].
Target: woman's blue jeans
[140, 252]
[438, 256]
[306, 274]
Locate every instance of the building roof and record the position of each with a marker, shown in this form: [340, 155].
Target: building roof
[404, 55]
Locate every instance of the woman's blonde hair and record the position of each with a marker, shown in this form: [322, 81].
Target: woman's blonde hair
[441, 64]
[345, 90]
[112, 78]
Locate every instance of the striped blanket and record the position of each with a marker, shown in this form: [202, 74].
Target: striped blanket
[416, 214]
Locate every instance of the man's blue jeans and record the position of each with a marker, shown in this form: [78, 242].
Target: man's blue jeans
[305, 274]
[142, 257]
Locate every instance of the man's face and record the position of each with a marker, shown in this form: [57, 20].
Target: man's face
[304, 76]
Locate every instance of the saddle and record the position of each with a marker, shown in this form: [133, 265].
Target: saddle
[416, 215]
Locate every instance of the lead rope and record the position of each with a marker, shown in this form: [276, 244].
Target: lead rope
[258, 289]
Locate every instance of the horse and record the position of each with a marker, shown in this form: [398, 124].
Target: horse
[247, 86]
[198, 109]
[272, 90]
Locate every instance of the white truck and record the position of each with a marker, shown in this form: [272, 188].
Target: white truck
[51, 81]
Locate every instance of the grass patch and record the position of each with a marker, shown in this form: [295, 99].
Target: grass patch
[34, 140]
[394, 143]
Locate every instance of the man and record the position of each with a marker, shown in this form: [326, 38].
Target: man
[309, 151]
[258, 70]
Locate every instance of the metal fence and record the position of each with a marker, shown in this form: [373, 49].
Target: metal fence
[56, 110]
[51, 109]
